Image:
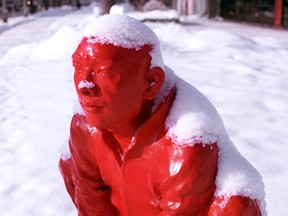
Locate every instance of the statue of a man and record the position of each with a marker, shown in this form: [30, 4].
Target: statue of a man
[147, 143]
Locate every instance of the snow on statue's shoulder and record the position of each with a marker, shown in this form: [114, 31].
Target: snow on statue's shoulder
[193, 120]
[124, 31]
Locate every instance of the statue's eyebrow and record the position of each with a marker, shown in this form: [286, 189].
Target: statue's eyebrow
[83, 56]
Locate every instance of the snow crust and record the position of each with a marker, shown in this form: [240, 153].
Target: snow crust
[236, 176]
[193, 120]
[242, 69]
[121, 8]
[126, 32]
[85, 84]
[154, 15]
[192, 117]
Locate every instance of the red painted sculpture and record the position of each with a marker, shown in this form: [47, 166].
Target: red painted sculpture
[122, 161]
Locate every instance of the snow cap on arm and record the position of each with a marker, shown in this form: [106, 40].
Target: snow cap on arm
[126, 32]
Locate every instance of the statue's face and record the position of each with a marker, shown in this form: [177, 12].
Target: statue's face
[110, 82]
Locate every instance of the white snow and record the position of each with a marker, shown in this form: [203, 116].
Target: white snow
[121, 8]
[192, 120]
[122, 31]
[119, 30]
[240, 68]
[153, 15]
[85, 84]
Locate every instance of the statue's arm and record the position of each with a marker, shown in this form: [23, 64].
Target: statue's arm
[234, 205]
[81, 174]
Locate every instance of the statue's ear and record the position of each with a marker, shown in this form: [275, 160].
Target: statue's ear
[155, 78]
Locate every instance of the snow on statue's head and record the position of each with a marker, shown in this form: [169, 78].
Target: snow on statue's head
[118, 66]
[127, 32]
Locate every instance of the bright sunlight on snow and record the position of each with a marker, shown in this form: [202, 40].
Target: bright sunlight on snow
[241, 69]
[122, 31]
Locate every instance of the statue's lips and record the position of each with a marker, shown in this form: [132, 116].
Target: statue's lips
[92, 108]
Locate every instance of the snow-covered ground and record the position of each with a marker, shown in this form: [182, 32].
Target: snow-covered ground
[240, 68]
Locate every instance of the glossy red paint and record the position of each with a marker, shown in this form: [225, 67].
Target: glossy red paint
[122, 162]
[235, 205]
[117, 75]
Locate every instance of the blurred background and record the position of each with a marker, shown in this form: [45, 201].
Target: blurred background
[234, 51]
[270, 12]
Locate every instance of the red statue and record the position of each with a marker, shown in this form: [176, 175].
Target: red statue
[124, 156]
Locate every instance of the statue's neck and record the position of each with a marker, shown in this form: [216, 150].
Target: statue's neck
[125, 132]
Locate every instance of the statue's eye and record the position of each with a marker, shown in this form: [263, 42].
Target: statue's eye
[104, 73]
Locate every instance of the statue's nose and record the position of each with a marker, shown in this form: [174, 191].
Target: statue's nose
[88, 88]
